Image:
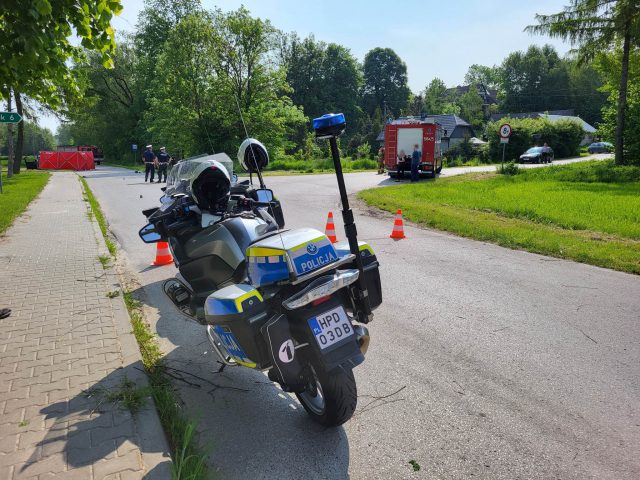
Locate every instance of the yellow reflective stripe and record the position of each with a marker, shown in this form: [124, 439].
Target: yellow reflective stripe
[244, 364]
[302, 245]
[263, 252]
[241, 298]
[367, 248]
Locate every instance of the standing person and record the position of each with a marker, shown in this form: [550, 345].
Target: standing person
[400, 166]
[163, 164]
[415, 163]
[381, 161]
[149, 159]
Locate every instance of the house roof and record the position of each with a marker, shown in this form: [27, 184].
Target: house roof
[449, 122]
[552, 115]
[488, 95]
[499, 116]
[585, 126]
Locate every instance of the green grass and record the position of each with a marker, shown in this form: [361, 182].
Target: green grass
[588, 212]
[188, 458]
[105, 260]
[128, 395]
[19, 191]
[99, 216]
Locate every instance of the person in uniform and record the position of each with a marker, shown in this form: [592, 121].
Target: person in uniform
[149, 159]
[163, 164]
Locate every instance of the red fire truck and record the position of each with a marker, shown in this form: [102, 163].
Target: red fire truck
[98, 155]
[401, 135]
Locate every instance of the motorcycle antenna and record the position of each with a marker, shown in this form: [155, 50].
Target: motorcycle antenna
[253, 155]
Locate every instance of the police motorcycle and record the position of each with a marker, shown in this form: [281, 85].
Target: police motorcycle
[284, 301]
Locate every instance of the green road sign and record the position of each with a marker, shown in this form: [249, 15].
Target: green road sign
[10, 117]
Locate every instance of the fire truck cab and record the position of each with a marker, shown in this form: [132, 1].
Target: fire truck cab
[401, 135]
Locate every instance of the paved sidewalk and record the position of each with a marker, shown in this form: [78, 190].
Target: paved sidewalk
[64, 337]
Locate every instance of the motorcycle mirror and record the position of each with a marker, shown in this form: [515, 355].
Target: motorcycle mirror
[149, 234]
[264, 195]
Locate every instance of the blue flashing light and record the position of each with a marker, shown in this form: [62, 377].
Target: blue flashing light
[328, 120]
[329, 125]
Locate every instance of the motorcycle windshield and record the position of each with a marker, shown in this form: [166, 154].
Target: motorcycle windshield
[184, 172]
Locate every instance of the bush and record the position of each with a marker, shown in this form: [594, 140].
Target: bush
[509, 168]
[564, 136]
[363, 164]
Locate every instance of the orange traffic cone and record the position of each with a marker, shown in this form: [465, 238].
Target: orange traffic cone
[163, 254]
[330, 229]
[398, 226]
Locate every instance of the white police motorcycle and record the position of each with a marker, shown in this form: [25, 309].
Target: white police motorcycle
[284, 301]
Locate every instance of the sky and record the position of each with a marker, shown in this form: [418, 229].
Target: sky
[434, 38]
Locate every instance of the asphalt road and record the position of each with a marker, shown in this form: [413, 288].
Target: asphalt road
[484, 362]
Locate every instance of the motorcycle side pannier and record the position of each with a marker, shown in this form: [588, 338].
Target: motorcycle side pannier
[371, 270]
[237, 313]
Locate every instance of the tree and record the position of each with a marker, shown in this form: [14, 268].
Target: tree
[595, 26]
[435, 97]
[385, 82]
[305, 62]
[37, 53]
[471, 107]
[109, 112]
[37, 48]
[609, 66]
[585, 83]
[534, 81]
[481, 74]
[343, 81]
[226, 83]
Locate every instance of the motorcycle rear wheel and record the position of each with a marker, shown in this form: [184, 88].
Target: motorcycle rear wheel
[330, 399]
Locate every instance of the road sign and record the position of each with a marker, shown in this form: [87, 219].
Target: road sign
[505, 130]
[504, 140]
[134, 147]
[10, 117]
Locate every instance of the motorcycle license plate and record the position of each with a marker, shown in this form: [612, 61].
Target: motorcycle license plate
[330, 327]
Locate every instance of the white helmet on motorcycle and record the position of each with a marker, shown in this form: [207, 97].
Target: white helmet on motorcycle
[210, 186]
[253, 155]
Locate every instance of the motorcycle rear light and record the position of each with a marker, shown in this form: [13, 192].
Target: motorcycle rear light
[322, 288]
[320, 300]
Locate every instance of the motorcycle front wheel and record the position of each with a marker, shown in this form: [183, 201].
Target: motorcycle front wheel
[330, 399]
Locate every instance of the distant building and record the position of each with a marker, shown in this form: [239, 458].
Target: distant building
[553, 116]
[455, 129]
[489, 96]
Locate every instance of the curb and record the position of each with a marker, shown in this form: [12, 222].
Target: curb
[154, 448]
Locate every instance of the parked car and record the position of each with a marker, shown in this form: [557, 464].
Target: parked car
[537, 155]
[600, 147]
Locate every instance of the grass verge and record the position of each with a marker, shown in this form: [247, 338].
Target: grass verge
[188, 459]
[18, 192]
[97, 213]
[588, 212]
